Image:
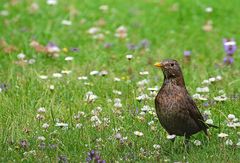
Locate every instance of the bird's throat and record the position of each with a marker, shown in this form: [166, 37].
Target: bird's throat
[179, 81]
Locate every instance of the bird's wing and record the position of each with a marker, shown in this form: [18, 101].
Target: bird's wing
[195, 114]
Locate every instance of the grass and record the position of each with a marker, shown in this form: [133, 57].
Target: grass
[171, 27]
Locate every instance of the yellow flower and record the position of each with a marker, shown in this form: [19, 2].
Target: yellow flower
[65, 50]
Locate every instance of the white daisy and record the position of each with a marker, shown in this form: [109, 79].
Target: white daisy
[51, 87]
[129, 57]
[41, 138]
[144, 73]
[197, 142]
[57, 75]
[138, 133]
[93, 73]
[103, 8]
[229, 142]
[60, 124]
[90, 97]
[209, 9]
[69, 58]
[231, 117]
[203, 89]
[156, 146]
[45, 125]
[82, 78]
[93, 30]
[209, 121]
[21, 56]
[220, 98]
[170, 137]
[66, 22]
[41, 110]
[222, 135]
[51, 2]
[43, 77]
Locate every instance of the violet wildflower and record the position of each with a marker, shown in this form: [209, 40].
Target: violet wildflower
[74, 49]
[131, 46]
[228, 60]
[53, 146]
[3, 87]
[187, 53]
[144, 44]
[230, 47]
[51, 47]
[137, 110]
[42, 146]
[53, 50]
[206, 104]
[95, 157]
[24, 144]
[63, 159]
[187, 56]
[107, 45]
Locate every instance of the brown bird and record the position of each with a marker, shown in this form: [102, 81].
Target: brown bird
[176, 110]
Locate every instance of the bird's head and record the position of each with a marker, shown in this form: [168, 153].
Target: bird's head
[171, 69]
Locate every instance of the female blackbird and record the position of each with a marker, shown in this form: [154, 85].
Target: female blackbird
[176, 110]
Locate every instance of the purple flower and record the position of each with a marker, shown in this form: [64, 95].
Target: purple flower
[92, 153]
[88, 159]
[107, 45]
[52, 48]
[24, 144]
[228, 60]
[205, 104]
[131, 46]
[94, 156]
[229, 46]
[187, 53]
[97, 158]
[51, 44]
[42, 146]
[144, 44]
[74, 49]
[3, 87]
[63, 159]
[53, 146]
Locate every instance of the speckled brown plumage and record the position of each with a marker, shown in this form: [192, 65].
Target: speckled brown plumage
[176, 110]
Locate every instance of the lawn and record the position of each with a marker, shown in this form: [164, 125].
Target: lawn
[77, 77]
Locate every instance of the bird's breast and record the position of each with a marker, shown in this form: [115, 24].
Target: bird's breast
[169, 101]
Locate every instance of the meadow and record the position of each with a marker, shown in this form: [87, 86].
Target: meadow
[77, 81]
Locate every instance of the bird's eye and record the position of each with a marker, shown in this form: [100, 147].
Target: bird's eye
[172, 64]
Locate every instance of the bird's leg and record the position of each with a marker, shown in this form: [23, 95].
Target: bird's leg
[207, 135]
[186, 142]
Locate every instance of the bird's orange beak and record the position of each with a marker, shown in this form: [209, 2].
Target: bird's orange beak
[158, 64]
